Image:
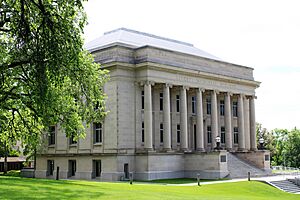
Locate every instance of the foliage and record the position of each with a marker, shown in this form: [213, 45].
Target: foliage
[66, 189]
[46, 77]
[292, 149]
[14, 173]
[284, 145]
[279, 145]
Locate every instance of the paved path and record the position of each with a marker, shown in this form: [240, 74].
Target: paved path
[266, 179]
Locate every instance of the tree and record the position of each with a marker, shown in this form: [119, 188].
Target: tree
[292, 148]
[279, 143]
[46, 77]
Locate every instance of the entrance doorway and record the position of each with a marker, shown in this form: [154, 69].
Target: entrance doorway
[126, 171]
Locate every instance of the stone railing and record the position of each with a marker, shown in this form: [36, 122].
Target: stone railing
[286, 170]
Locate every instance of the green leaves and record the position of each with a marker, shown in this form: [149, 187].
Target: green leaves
[43, 67]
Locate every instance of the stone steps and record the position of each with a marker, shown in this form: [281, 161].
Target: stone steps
[239, 168]
[286, 186]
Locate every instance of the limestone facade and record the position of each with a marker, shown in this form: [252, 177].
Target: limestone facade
[166, 108]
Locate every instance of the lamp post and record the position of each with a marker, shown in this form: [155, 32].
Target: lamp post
[261, 143]
[218, 141]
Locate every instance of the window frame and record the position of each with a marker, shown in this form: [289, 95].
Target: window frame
[223, 137]
[235, 109]
[161, 133]
[177, 103]
[143, 132]
[194, 104]
[178, 133]
[97, 133]
[235, 135]
[52, 135]
[209, 136]
[222, 107]
[208, 106]
[143, 99]
[161, 101]
[50, 167]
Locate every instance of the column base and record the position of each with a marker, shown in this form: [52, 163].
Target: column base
[149, 149]
[200, 150]
[229, 149]
[168, 150]
[253, 149]
[185, 150]
[241, 150]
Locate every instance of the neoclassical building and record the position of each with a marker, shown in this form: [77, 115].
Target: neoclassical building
[167, 101]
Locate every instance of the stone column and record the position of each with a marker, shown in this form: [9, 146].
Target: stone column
[241, 123]
[228, 127]
[214, 117]
[246, 123]
[253, 145]
[183, 118]
[167, 117]
[148, 116]
[199, 121]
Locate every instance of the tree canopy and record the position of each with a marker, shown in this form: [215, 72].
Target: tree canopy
[46, 76]
[284, 145]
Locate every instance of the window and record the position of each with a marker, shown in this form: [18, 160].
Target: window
[208, 106]
[222, 108]
[97, 168]
[193, 104]
[177, 103]
[97, 129]
[143, 132]
[51, 136]
[208, 134]
[72, 140]
[161, 131]
[235, 108]
[143, 100]
[72, 168]
[235, 135]
[223, 134]
[178, 133]
[161, 101]
[50, 167]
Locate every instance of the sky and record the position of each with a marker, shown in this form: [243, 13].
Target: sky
[261, 34]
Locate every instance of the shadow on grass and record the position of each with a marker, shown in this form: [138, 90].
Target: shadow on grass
[27, 188]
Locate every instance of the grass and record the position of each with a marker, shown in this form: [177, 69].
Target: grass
[180, 180]
[26, 188]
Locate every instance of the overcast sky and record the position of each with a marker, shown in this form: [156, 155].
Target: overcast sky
[261, 34]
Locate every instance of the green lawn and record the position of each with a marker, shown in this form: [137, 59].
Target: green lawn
[24, 188]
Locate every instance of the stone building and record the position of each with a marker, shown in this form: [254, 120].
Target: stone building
[168, 101]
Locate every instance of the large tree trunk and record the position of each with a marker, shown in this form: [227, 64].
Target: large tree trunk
[34, 162]
[5, 160]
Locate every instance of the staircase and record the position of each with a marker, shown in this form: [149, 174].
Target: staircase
[239, 168]
[286, 185]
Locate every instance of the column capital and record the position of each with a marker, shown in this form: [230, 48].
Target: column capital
[185, 87]
[229, 93]
[169, 85]
[252, 97]
[146, 82]
[241, 95]
[216, 91]
[201, 89]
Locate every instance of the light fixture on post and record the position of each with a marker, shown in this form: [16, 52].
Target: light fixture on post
[218, 141]
[261, 143]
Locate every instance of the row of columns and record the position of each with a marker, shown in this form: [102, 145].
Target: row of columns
[246, 119]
